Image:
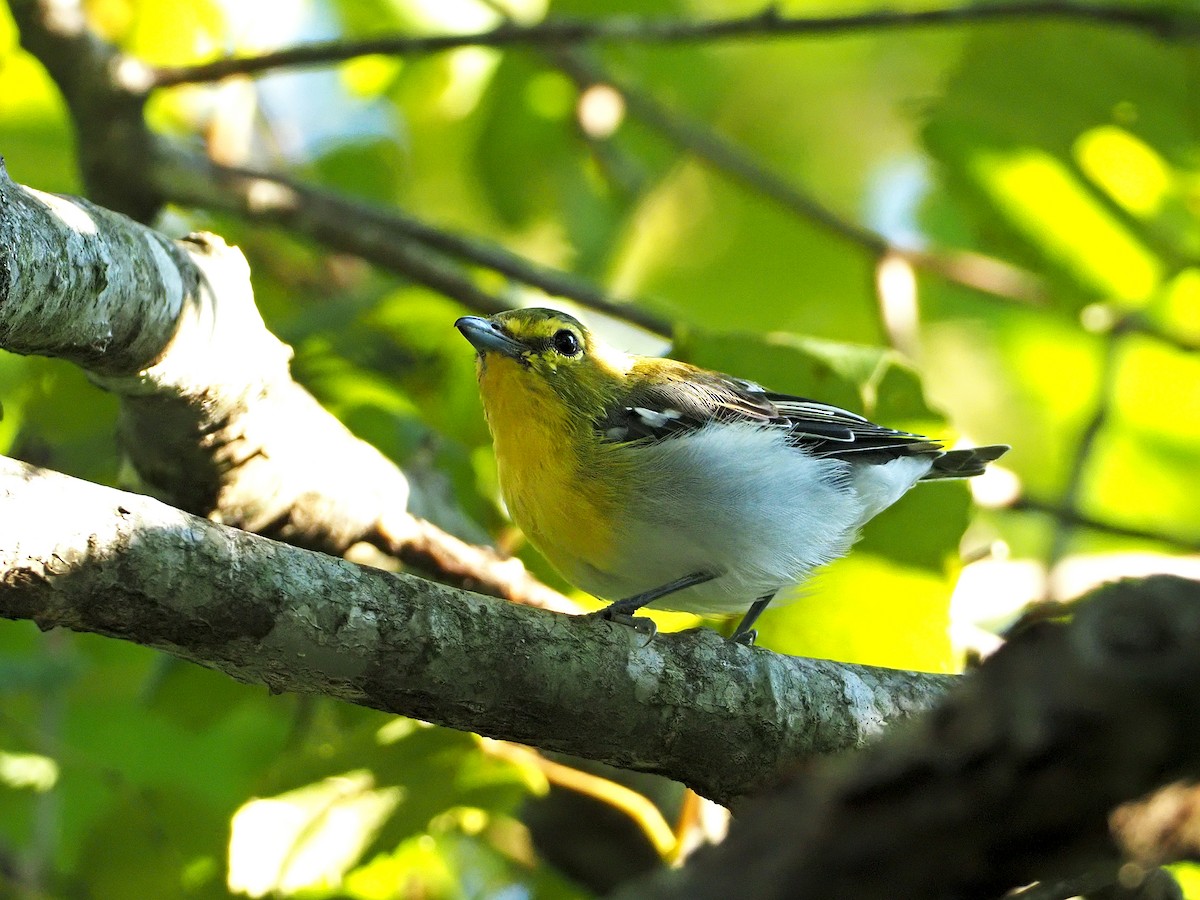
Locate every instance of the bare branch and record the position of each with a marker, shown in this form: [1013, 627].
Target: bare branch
[388, 237]
[1073, 517]
[693, 706]
[1163, 22]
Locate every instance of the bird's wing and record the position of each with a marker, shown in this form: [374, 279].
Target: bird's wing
[682, 399]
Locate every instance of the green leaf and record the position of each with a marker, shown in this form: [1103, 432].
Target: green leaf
[722, 258]
[367, 168]
[870, 610]
[425, 771]
[1050, 131]
[162, 842]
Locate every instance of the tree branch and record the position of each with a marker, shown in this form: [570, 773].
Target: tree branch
[1161, 829]
[1073, 517]
[720, 717]
[388, 237]
[1010, 780]
[378, 234]
[210, 416]
[1164, 22]
[134, 171]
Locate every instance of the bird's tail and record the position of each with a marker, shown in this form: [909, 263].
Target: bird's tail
[964, 463]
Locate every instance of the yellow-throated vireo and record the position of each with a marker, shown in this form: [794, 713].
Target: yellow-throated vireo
[648, 481]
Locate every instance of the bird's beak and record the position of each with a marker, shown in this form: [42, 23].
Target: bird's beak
[487, 337]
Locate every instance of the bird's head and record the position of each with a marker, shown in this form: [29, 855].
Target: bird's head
[535, 351]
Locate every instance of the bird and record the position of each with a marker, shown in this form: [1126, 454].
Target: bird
[650, 482]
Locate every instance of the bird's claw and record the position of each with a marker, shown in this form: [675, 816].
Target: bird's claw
[640, 624]
[746, 638]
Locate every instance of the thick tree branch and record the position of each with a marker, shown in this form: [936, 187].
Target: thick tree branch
[722, 718]
[210, 416]
[1010, 780]
[1162, 21]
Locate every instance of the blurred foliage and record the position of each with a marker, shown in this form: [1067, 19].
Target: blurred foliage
[1069, 150]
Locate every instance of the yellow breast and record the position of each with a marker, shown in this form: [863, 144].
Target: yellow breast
[547, 468]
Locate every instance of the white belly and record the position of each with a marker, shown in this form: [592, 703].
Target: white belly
[739, 501]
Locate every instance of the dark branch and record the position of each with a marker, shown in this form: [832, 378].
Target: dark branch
[388, 237]
[1139, 324]
[1010, 780]
[1159, 21]
[1070, 516]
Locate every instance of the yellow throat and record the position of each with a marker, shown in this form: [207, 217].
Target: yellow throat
[545, 455]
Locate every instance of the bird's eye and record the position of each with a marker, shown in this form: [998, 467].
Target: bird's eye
[566, 342]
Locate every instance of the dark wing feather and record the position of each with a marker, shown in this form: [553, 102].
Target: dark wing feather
[683, 399]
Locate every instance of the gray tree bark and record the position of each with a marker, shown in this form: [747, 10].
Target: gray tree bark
[211, 420]
[722, 718]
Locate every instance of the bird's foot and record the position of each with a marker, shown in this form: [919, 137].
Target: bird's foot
[745, 638]
[640, 624]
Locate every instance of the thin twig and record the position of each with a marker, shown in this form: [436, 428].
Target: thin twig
[1138, 323]
[1070, 516]
[1109, 367]
[1159, 21]
[418, 543]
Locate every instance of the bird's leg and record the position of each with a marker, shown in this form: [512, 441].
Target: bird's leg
[744, 633]
[623, 610]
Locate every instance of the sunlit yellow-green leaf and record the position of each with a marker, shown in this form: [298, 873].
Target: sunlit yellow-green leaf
[1188, 876]
[176, 32]
[868, 610]
[416, 868]
[1048, 203]
[28, 771]
[1019, 377]
[1177, 308]
[1130, 481]
[1126, 167]
[306, 838]
[367, 76]
[1154, 393]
